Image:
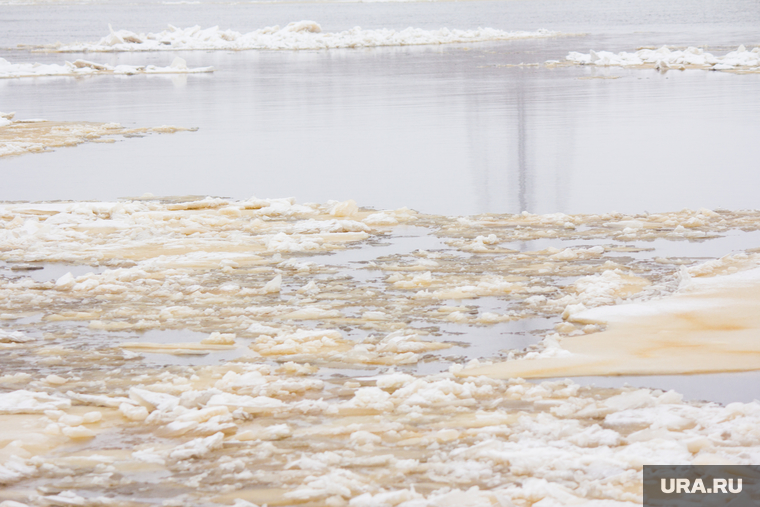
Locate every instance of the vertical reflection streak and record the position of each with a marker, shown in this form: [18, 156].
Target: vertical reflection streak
[521, 154]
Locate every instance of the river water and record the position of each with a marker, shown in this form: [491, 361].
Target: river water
[284, 356]
[444, 129]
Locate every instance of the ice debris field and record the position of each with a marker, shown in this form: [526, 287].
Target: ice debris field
[10, 70]
[294, 36]
[208, 351]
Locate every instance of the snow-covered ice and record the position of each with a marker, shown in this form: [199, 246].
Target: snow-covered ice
[664, 58]
[87, 68]
[296, 35]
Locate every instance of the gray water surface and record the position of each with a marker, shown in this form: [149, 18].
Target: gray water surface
[442, 129]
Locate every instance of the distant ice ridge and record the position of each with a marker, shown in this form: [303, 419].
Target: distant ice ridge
[297, 35]
[83, 67]
[664, 58]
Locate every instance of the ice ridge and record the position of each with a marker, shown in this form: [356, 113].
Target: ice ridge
[294, 36]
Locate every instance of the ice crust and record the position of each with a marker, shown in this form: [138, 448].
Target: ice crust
[664, 58]
[294, 36]
[87, 68]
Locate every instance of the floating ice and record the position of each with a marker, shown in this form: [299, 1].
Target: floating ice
[709, 325]
[739, 60]
[18, 137]
[296, 35]
[272, 422]
[29, 402]
[12, 470]
[14, 337]
[86, 68]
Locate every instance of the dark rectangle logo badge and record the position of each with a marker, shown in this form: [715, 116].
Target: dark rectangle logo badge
[703, 485]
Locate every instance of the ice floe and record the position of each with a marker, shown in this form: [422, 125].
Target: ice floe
[708, 325]
[296, 35]
[87, 68]
[28, 402]
[18, 137]
[741, 59]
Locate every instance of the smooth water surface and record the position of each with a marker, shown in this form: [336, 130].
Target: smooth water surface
[442, 129]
